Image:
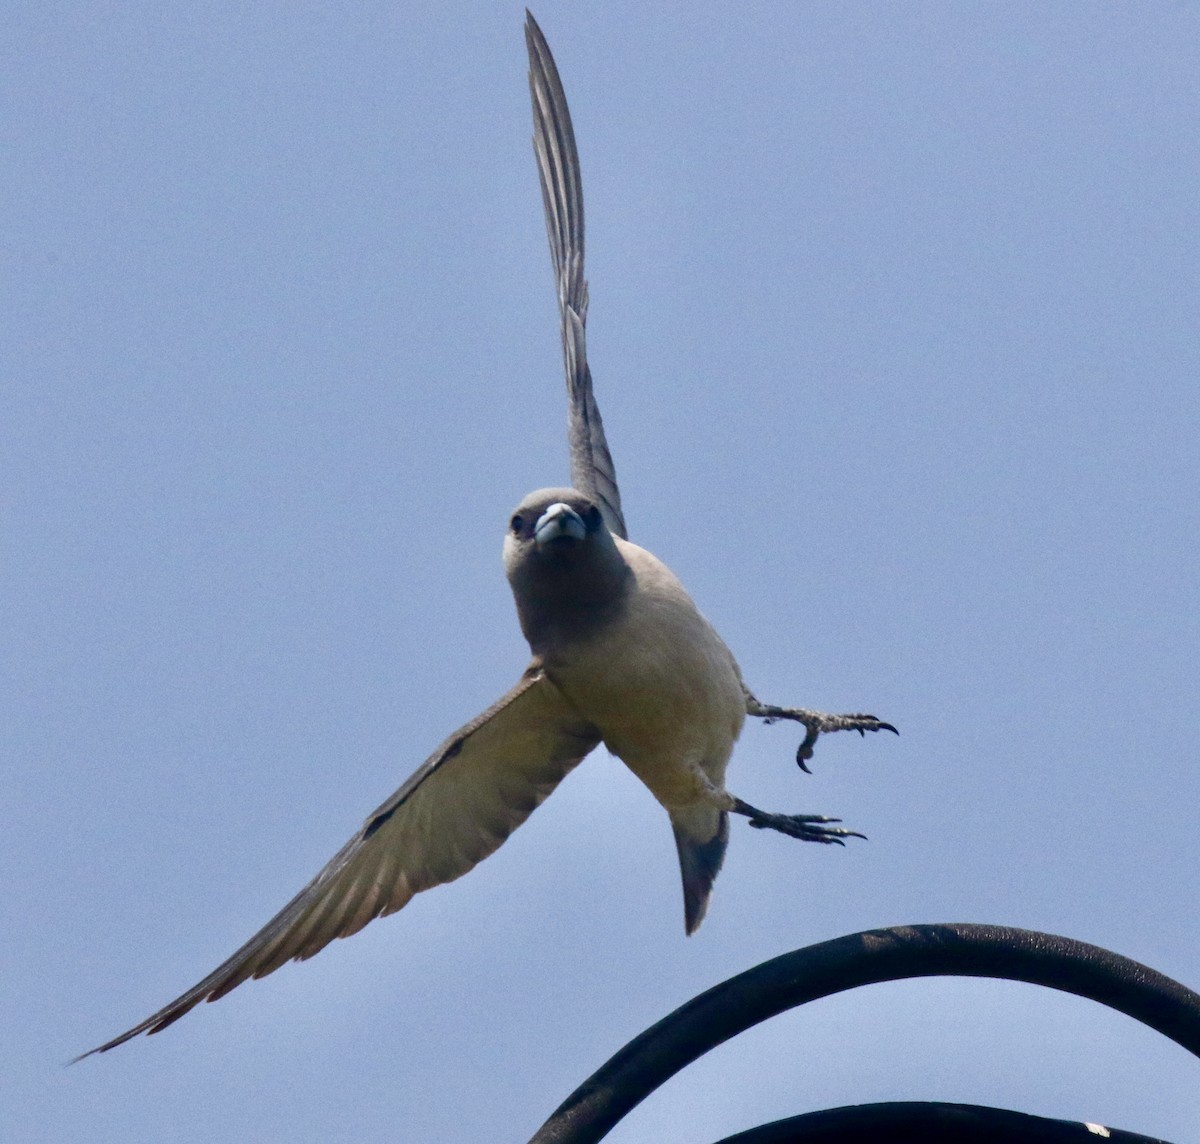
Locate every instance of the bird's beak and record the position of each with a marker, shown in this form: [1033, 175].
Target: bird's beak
[559, 522]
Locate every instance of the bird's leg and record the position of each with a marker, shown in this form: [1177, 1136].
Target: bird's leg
[806, 827]
[815, 722]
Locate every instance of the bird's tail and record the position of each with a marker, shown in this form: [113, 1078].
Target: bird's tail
[701, 835]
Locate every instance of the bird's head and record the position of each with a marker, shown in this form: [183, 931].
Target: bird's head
[563, 564]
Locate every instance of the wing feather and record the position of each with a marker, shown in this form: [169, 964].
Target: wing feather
[455, 810]
[592, 468]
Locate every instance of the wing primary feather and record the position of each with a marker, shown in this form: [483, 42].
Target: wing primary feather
[452, 812]
[592, 468]
[465, 811]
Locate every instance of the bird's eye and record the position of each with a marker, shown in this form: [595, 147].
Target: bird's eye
[516, 524]
[593, 519]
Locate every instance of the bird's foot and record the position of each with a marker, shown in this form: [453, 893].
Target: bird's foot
[806, 827]
[816, 723]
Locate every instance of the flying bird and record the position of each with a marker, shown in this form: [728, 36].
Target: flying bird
[621, 656]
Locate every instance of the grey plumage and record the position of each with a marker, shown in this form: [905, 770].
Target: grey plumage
[454, 811]
[699, 863]
[621, 655]
[592, 469]
[624, 643]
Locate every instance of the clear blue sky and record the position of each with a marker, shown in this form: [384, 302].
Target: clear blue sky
[893, 325]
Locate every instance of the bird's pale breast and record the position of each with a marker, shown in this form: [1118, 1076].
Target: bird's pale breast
[659, 684]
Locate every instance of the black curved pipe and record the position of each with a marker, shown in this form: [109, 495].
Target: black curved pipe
[893, 954]
[930, 1123]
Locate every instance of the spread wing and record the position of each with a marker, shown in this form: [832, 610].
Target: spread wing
[455, 810]
[592, 470]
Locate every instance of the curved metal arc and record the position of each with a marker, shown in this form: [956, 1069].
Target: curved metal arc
[931, 1123]
[893, 954]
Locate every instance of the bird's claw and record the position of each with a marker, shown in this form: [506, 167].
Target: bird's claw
[823, 724]
[816, 723]
[806, 827]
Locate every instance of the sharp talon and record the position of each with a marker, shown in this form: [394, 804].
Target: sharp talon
[816, 724]
[806, 827]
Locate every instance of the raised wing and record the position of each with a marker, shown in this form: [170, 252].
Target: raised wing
[592, 470]
[455, 810]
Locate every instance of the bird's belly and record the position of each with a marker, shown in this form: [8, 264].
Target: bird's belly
[670, 707]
